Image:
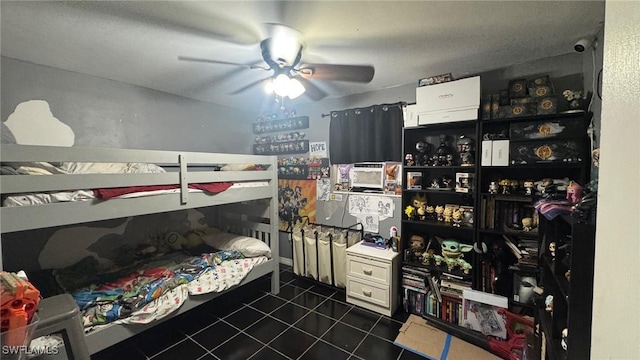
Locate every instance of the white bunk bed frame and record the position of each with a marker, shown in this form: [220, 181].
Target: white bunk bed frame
[256, 220]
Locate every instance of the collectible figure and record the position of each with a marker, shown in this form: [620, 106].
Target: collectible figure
[574, 192]
[552, 250]
[548, 187]
[408, 160]
[417, 245]
[410, 211]
[527, 224]
[564, 341]
[428, 257]
[439, 213]
[435, 184]
[514, 186]
[528, 187]
[450, 160]
[574, 99]
[548, 302]
[456, 217]
[431, 213]
[443, 153]
[447, 182]
[493, 187]
[422, 213]
[466, 150]
[505, 186]
[452, 254]
[421, 158]
[419, 201]
[447, 214]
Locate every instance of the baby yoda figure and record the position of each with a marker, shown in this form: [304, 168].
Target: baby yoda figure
[452, 254]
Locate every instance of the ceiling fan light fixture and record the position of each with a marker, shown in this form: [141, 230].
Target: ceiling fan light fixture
[285, 86]
[269, 87]
[281, 85]
[295, 88]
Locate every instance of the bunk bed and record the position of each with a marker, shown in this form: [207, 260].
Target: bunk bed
[246, 204]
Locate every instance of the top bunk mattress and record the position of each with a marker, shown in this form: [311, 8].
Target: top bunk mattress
[73, 184]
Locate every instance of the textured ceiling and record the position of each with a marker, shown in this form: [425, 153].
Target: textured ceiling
[138, 42]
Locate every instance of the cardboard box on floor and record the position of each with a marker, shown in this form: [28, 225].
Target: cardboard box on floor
[417, 336]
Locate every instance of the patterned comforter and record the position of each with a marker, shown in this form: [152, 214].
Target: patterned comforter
[160, 286]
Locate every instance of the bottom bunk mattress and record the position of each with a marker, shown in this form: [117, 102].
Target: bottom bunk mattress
[160, 287]
[162, 277]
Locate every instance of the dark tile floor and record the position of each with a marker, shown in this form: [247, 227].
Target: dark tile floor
[304, 321]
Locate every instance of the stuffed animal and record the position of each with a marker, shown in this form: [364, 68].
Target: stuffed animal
[174, 241]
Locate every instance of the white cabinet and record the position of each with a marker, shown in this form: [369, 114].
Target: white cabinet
[450, 101]
[372, 278]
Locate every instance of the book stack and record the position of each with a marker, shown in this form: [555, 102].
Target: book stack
[525, 250]
[451, 290]
[415, 289]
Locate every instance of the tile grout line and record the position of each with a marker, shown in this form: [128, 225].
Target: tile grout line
[361, 341]
[248, 304]
[330, 327]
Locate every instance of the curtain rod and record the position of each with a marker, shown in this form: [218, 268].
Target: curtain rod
[399, 104]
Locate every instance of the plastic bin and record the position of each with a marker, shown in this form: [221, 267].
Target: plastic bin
[15, 343]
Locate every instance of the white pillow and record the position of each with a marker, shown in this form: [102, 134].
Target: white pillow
[248, 246]
[238, 167]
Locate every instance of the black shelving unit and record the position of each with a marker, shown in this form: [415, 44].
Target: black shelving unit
[429, 229]
[573, 296]
[569, 312]
[572, 299]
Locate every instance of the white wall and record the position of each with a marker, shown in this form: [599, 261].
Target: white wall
[616, 303]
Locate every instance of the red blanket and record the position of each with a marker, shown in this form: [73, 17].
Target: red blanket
[109, 193]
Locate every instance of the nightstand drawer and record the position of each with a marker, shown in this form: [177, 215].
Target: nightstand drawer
[369, 269]
[367, 291]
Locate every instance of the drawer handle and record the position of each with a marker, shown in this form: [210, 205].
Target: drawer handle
[367, 272]
[366, 292]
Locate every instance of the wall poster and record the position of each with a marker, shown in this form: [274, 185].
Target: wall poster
[296, 202]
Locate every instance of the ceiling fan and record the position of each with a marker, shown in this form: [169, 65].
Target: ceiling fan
[282, 53]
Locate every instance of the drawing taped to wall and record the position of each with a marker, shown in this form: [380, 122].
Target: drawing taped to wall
[296, 202]
[324, 189]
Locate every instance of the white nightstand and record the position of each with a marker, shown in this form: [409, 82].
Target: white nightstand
[372, 278]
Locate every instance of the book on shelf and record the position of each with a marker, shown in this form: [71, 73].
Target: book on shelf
[514, 249]
[454, 284]
[434, 286]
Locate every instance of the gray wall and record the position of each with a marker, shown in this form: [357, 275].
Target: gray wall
[105, 113]
[564, 70]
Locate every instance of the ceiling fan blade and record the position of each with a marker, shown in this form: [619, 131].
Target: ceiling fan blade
[187, 58]
[247, 87]
[311, 90]
[351, 73]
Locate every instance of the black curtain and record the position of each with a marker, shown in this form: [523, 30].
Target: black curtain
[373, 133]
